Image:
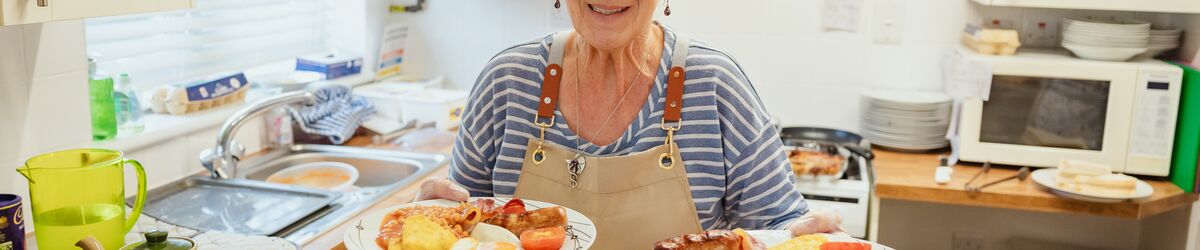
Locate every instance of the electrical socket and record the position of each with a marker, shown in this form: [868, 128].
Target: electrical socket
[967, 241]
[1040, 33]
[889, 21]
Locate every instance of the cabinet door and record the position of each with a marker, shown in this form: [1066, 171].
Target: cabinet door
[72, 9]
[14, 12]
[169, 5]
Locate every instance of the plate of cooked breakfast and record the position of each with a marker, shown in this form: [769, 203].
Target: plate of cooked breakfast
[764, 240]
[482, 223]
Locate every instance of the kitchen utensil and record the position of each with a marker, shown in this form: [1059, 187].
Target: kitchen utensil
[12, 222]
[987, 166]
[1021, 175]
[1045, 178]
[328, 175]
[362, 233]
[76, 193]
[159, 240]
[235, 205]
[155, 240]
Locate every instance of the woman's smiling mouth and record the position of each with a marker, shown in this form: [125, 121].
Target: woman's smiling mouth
[607, 10]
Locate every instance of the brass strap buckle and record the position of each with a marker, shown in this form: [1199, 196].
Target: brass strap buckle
[539, 155]
[666, 161]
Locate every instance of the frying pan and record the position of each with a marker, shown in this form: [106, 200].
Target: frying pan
[800, 136]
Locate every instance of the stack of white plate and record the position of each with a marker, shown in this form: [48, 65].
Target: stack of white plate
[904, 119]
[1162, 41]
[1108, 40]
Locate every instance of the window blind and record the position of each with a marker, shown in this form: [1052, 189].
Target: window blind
[214, 36]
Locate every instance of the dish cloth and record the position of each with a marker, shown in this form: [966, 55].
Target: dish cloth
[336, 113]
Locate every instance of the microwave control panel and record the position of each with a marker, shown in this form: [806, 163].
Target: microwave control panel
[1154, 113]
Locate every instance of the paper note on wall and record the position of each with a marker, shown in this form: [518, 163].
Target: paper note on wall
[391, 50]
[842, 15]
[964, 78]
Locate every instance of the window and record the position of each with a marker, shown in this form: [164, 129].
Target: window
[215, 36]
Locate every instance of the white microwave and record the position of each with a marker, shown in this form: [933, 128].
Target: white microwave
[1044, 107]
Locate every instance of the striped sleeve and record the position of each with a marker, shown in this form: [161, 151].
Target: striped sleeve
[759, 190]
[475, 150]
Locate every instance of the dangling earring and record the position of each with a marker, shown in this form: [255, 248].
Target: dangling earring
[667, 11]
[557, 4]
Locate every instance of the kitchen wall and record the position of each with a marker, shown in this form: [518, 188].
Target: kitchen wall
[43, 85]
[805, 75]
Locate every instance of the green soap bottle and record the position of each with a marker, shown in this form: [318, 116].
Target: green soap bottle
[104, 113]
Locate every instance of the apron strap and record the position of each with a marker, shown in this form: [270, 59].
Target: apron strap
[552, 76]
[674, 105]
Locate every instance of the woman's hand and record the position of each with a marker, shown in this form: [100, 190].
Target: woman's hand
[817, 221]
[442, 189]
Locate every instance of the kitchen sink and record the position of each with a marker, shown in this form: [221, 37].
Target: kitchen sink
[381, 172]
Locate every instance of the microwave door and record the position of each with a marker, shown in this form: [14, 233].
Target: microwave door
[1039, 120]
[1044, 112]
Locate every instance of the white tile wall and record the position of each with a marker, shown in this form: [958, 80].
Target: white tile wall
[804, 74]
[14, 94]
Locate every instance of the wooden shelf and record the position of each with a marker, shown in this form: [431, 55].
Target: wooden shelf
[909, 176]
[1167, 6]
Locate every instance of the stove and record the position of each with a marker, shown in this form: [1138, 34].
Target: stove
[849, 195]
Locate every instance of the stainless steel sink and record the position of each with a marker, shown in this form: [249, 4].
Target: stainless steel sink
[381, 172]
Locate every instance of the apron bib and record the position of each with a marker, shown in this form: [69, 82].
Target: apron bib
[636, 199]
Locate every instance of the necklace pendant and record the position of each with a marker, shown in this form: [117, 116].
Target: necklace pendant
[575, 168]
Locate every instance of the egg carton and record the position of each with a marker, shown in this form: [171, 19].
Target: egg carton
[179, 100]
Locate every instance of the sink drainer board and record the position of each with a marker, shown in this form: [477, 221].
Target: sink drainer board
[234, 205]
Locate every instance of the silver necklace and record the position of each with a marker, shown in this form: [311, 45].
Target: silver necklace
[576, 165]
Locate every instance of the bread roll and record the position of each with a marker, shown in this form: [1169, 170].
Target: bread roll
[1109, 185]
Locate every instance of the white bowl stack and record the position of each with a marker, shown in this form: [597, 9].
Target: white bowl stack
[1107, 40]
[1162, 41]
[904, 119]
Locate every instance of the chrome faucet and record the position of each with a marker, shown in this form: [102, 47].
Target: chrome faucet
[222, 160]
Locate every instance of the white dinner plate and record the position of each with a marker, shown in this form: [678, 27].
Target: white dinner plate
[907, 97]
[361, 236]
[1045, 177]
[772, 238]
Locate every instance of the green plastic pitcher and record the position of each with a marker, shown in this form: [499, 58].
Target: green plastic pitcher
[79, 193]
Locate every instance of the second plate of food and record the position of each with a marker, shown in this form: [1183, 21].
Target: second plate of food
[483, 222]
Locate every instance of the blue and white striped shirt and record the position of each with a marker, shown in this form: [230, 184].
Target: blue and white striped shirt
[738, 171]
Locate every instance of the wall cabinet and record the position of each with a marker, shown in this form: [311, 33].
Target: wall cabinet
[13, 12]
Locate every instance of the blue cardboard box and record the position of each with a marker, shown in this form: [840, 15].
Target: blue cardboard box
[332, 66]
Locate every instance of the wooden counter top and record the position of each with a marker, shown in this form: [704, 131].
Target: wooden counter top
[909, 176]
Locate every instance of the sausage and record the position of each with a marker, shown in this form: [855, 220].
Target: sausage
[710, 240]
[518, 223]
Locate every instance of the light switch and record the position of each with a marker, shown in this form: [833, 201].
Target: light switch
[889, 21]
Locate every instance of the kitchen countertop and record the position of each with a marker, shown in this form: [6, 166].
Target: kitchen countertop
[909, 176]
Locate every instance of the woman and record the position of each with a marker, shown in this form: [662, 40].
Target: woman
[605, 120]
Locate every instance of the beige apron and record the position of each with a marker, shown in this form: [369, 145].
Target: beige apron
[636, 199]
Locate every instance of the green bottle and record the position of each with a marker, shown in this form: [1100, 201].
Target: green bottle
[104, 113]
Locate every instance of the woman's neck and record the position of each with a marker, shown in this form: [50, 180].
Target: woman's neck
[619, 65]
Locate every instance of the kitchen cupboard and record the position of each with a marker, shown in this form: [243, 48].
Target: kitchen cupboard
[13, 12]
